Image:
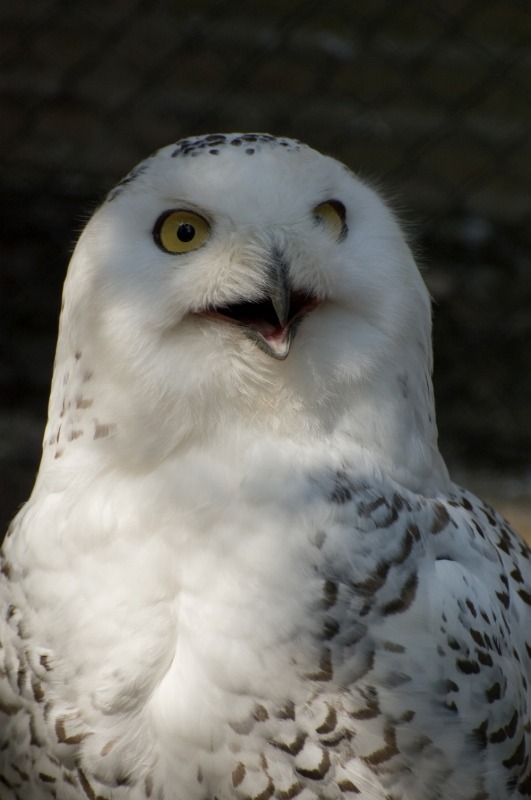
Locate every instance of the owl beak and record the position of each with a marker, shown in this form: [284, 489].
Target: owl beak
[284, 308]
[279, 289]
[276, 341]
[271, 321]
[274, 328]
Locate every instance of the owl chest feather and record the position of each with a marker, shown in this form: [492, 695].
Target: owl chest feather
[259, 624]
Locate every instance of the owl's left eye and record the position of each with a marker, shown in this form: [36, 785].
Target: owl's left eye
[179, 231]
[332, 216]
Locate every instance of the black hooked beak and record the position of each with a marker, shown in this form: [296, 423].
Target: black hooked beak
[270, 321]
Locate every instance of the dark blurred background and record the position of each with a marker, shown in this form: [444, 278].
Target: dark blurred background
[430, 99]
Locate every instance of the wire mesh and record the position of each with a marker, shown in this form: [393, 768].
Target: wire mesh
[430, 97]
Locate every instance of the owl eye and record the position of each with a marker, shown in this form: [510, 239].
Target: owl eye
[332, 216]
[179, 231]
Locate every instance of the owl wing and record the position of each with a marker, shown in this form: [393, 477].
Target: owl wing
[418, 687]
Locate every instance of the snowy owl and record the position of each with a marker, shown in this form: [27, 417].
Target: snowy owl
[243, 572]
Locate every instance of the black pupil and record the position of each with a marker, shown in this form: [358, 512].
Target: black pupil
[185, 232]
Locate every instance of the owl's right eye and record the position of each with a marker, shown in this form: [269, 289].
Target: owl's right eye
[180, 231]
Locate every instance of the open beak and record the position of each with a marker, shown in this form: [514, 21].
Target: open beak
[270, 321]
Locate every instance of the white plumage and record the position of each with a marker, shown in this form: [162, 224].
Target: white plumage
[243, 571]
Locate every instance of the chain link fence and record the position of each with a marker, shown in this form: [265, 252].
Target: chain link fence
[431, 100]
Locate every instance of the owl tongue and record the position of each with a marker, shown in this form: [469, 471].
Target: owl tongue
[276, 338]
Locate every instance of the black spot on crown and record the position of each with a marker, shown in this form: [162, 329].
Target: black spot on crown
[195, 145]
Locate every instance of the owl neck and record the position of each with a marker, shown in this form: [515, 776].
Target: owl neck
[397, 431]
[370, 426]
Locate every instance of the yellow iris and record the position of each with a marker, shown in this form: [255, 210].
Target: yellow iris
[181, 231]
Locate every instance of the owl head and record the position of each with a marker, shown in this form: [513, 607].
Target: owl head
[251, 278]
